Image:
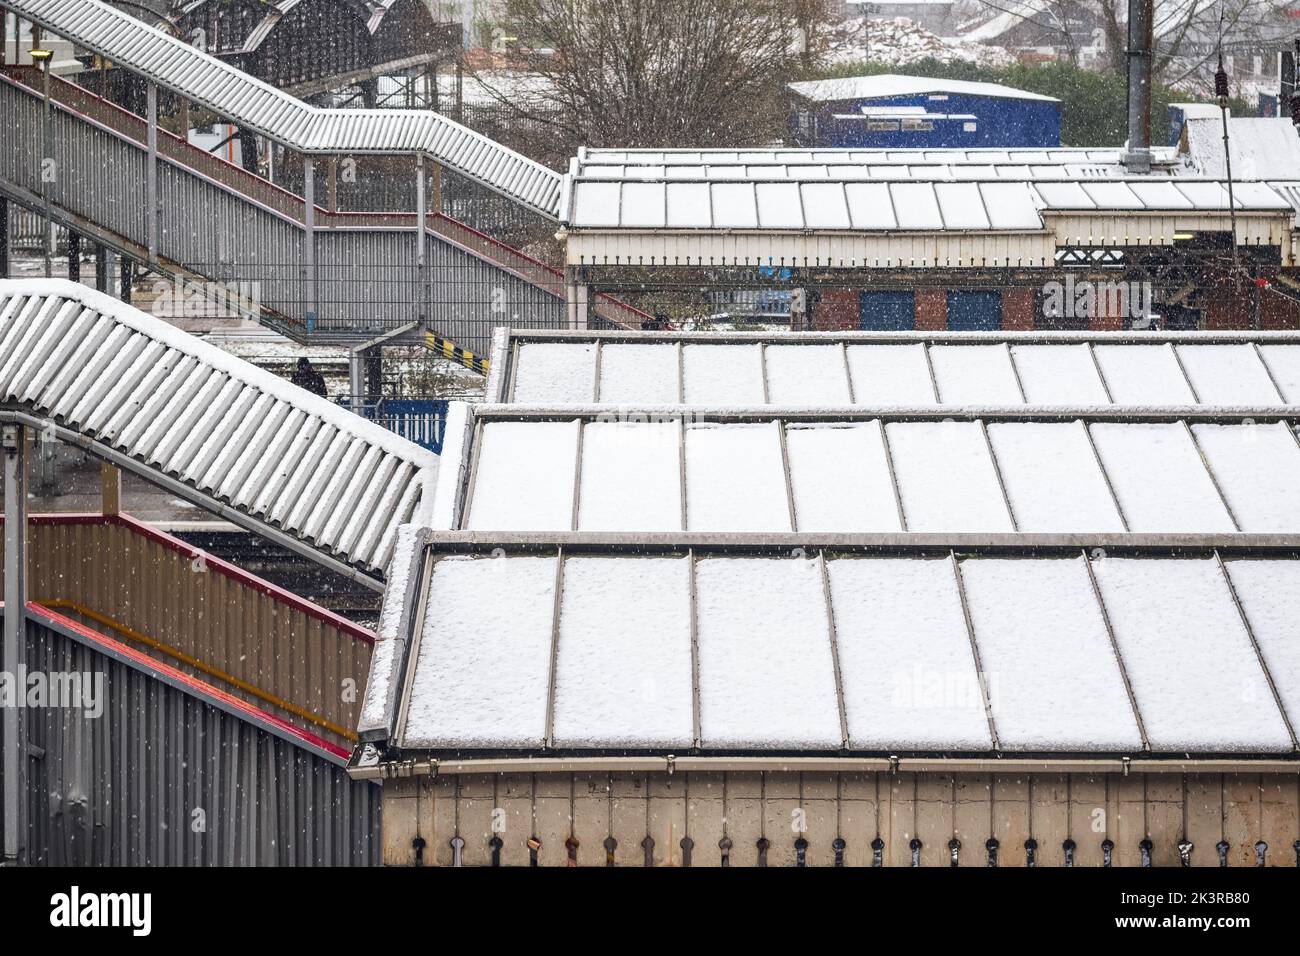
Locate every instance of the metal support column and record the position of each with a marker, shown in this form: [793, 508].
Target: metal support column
[74, 255]
[421, 264]
[374, 358]
[309, 239]
[151, 172]
[110, 489]
[12, 660]
[103, 267]
[577, 298]
[248, 152]
[49, 170]
[4, 230]
[126, 279]
[356, 377]
[44, 447]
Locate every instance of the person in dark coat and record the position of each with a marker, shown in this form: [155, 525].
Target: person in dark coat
[306, 376]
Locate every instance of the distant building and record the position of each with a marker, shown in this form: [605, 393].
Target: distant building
[934, 15]
[1041, 29]
[914, 111]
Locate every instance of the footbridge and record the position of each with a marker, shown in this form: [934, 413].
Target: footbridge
[290, 258]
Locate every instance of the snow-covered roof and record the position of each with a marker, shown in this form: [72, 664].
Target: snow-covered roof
[589, 158]
[926, 190]
[1012, 13]
[763, 199]
[207, 81]
[953, 470]
[841, 651]
[226, 434]
[884, 370]
[785, 544]
[1262, 148]
[889, 85]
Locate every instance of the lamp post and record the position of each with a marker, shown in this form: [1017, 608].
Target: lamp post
[43, 57]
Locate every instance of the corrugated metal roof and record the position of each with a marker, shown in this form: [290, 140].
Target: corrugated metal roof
[892, 84]
[235, 435]
[210, 82]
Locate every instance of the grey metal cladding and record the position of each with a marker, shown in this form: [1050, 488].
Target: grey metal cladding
[163, 777]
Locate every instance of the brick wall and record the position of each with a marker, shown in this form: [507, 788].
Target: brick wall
[931, 310]
[1018, 309]
[1277, 311]
[838, 311]
[1229, 305]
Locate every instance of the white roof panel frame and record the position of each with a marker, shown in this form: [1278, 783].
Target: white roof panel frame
[818, 631]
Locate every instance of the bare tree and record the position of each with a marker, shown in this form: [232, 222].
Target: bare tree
[1187, 32]
[646, 73]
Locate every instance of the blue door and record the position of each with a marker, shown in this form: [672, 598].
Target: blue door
[887, 311]
[974, 311]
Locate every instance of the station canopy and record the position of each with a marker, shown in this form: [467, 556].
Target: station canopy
[927, 208]
[885, 370]
[1068, 572]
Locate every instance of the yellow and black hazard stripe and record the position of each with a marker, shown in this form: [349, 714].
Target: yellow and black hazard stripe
[449, 349]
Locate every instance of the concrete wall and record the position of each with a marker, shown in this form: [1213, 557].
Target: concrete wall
[936, 808]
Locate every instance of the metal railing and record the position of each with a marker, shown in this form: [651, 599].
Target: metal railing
[422, 421]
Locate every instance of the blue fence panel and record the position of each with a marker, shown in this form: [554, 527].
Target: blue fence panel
[423, 421]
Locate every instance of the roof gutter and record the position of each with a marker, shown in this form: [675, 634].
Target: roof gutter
[669, 763]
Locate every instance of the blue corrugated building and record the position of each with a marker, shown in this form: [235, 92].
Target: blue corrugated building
[899, 112]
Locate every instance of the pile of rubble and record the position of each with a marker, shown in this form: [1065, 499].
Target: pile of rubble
[901, 42]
